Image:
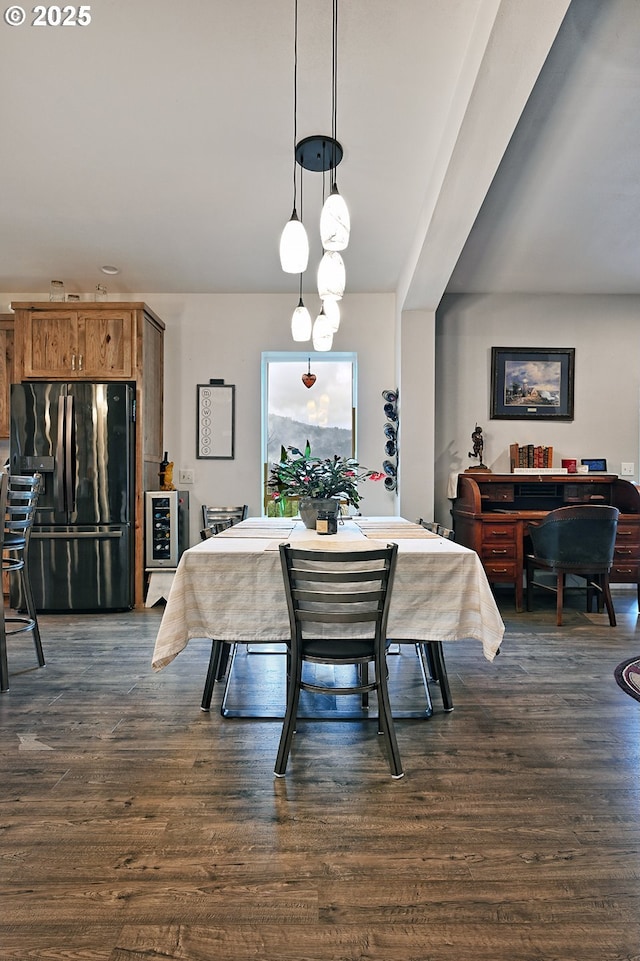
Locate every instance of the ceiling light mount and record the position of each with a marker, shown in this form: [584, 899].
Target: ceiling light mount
[319, 153]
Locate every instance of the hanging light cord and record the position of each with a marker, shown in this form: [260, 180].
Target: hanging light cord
[295, 97]
[301, 196]
[334, 86]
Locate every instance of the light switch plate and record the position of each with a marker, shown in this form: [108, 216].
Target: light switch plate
[185, 477]
[627, 470]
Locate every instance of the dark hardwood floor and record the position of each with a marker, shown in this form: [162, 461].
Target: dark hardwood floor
[133, 826]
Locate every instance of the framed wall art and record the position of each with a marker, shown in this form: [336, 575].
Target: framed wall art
[215, 417]
[532, 383]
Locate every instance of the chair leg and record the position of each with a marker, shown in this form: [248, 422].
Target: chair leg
[559, 598]
[608, 601]
[224, 660]
[4, 666]
[529, 586]
[289, 723]
[212, 672]
[440, 672]
[31, 612]
[386, 720]
[426, 669]
[363, 670]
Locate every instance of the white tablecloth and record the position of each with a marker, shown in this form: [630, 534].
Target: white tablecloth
[230, 587]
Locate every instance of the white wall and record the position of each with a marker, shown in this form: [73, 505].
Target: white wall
[417, 440]
[605, 332]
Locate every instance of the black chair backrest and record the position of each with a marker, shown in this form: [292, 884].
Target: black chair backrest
[216, 527]
[580, 535]
[4, 490]
[212, 515]
[22, 499]
[429, 525]
[338, 587]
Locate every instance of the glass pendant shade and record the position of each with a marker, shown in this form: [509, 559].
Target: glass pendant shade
[294, 246]
[301, 323]
[322, 334]
[331, 276]
[332, 313]
[335, 223]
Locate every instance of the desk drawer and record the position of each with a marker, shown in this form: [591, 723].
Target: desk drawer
[498, 550]
[496, 532]
[500, 570]
[628, 536]
[624, 573]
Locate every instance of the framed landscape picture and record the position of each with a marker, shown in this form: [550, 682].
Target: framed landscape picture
[532, 383]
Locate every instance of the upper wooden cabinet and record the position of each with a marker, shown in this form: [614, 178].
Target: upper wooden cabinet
[7, 322]
[90, 341]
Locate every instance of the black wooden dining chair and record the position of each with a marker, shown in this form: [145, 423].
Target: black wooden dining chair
[338, 603]
[576, 540]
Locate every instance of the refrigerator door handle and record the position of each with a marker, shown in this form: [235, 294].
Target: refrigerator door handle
[70, 454]
[58, 477]
[76, 535]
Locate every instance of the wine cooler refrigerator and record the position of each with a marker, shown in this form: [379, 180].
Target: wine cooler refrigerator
[167, 528]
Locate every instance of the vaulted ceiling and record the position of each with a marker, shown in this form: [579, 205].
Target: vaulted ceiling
[490, 145]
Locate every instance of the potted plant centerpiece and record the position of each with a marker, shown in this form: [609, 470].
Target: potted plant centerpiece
[318, 483]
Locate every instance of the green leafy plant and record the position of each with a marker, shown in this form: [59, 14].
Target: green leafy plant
[300, 474]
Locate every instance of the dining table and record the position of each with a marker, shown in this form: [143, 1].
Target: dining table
[230, 587]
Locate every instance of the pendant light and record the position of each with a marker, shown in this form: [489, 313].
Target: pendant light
[332, 313]
[331, 276]
[335, 223]
[294, 243]
[322, 333]
[301, 320]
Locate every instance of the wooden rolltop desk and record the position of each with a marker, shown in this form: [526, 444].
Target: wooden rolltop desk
[492, 513]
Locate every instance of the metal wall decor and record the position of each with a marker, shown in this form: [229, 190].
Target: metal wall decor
[215, 414]
[390, 464]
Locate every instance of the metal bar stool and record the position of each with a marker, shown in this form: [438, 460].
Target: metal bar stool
[4, 667]
[19, 512]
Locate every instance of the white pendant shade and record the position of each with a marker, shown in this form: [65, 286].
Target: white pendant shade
[332, 313]
[331, 276]
[335, 223]
[322, 334]
[301, 323]
[294, 246]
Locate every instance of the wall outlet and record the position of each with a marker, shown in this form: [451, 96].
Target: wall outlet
[627, 470]
[185, 477]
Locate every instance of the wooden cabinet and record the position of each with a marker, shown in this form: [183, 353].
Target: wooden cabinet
[77, 344]
[492, 513]
[101, 342]
[7, 322]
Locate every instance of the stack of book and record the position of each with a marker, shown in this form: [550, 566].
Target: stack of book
[530, 455]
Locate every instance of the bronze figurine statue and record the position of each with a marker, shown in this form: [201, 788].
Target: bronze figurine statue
[478, 447]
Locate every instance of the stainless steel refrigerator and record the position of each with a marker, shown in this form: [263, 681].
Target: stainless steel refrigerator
[80, 437]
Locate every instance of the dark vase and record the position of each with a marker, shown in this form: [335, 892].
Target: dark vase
[309, 507]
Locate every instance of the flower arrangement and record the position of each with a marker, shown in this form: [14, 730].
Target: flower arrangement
[299, 474]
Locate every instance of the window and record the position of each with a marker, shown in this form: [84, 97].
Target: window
[323, 414]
